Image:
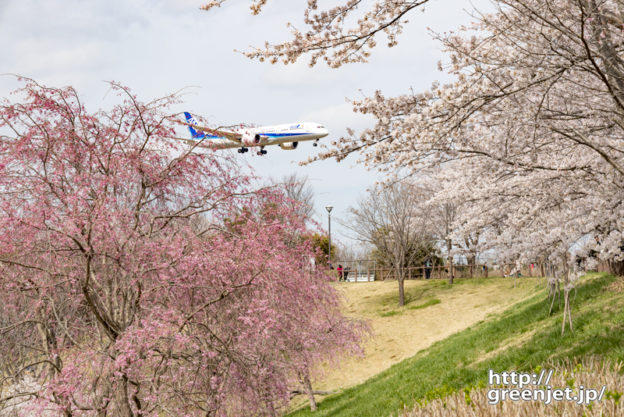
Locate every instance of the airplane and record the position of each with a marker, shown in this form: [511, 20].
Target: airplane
[286, 136]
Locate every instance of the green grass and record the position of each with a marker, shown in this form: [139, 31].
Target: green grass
[520, 338]
[414, 294]
[429, 302]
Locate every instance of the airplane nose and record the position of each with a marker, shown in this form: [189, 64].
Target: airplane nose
[323, 132]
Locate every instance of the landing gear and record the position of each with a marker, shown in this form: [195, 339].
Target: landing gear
[262, 151]
[315, 143]
[243, 150]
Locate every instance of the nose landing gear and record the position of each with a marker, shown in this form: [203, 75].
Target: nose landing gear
[243, 150]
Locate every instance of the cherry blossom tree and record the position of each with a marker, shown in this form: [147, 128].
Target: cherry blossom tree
[338, 35]
[140, 276]
[534, 115]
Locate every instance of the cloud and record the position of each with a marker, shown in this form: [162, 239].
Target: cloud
[298, 75]
[338, 118]
[3, 6]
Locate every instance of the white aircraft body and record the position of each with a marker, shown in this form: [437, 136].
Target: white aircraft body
[286, 136]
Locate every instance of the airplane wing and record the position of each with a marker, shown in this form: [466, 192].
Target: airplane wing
[199, 143]
[222, 143]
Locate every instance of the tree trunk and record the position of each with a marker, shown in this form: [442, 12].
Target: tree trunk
[449, 260]
[471, 262]
[401, 290]
[553, 292]
[309, 391]
[616, 268]
[567, 310]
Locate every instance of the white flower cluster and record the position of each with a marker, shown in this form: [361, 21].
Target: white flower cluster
[329, 36]
[529, 138]
[18, 403]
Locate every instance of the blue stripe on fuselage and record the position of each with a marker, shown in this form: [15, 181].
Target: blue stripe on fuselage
[278, 135]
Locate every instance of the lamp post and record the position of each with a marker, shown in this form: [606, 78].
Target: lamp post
[329, 209]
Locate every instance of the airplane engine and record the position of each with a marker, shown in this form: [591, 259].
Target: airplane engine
[289, 146]
[251, 139]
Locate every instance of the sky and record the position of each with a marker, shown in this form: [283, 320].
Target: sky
[157, 47]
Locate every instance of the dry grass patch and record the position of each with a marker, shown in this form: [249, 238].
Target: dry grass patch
[617, 285]
[592, 374]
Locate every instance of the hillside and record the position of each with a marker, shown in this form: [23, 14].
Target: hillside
[434, 310]
[520, 338]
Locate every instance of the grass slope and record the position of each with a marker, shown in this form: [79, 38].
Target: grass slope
[521, 338]
[401, 332]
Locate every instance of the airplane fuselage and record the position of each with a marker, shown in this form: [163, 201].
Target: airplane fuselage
[270, 135]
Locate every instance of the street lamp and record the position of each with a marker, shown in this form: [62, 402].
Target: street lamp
[329, 209]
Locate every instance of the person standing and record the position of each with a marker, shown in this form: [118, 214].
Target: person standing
[427, 268]
[339, 269]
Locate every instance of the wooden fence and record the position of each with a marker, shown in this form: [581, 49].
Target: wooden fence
[367, 274]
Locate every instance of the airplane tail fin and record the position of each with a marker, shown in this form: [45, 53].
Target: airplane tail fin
[192, 122]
